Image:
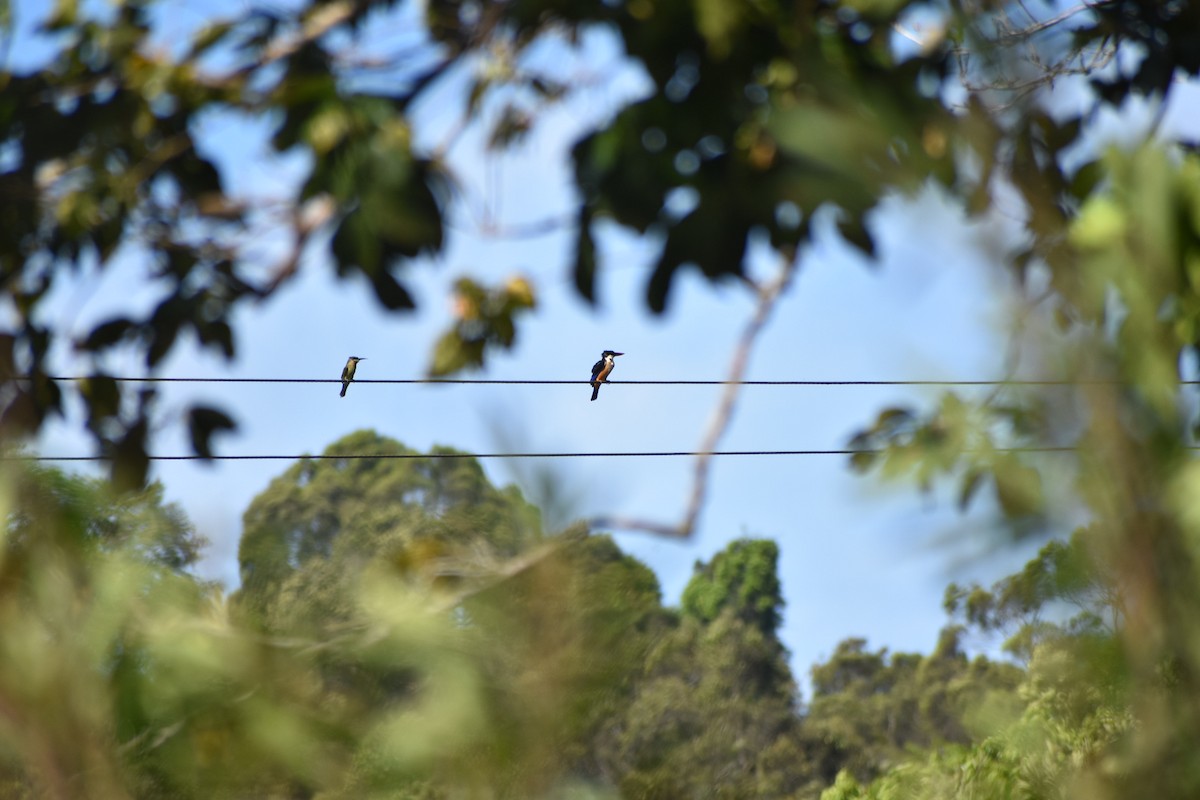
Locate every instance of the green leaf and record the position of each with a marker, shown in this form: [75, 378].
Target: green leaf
[718, 21]
[863, 460]
[893, 419]
[1086, 179]
[449, 355]
[1018, 489]
[970, 485]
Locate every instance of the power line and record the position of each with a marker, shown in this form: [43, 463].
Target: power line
[583, 381]
[405, 456]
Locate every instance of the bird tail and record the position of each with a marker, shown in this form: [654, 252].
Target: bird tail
[595, 390]
[345, 386]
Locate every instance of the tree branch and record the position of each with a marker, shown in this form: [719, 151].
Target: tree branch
[768, 297]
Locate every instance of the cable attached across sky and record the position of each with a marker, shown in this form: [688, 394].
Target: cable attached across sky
[407, 456]
[575, 382]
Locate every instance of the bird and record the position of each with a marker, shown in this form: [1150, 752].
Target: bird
[601, 370]
[348, 372]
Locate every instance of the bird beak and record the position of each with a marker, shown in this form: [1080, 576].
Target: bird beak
[618, 354]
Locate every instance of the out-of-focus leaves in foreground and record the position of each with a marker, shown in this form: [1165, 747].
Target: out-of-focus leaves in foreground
[483, 318]
[1109, 688]
[405, 629]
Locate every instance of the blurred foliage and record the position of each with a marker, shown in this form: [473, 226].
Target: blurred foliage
[1122, 277]
[964, 441]
[403, 628]
[875, 709]
[483, 318]
[51, 503]
[1065, 591]
[360, 674]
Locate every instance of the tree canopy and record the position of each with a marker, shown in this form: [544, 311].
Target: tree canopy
[322, 515]
[52, 504]
[416, 634]
[743, 579]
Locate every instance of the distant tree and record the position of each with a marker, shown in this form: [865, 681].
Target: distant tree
[323, 515]
[877, 710]
[1066, 590]
[552, 629]
[713, 710]
[51, 503]
[565, 642]
[743, 578]
[1061, 721]
[1045, 751]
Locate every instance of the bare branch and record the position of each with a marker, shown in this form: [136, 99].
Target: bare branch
[527, 230]
[644, 526]
[1006, 34]
[322, 20]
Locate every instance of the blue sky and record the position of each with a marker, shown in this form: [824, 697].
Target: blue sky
[858, 559]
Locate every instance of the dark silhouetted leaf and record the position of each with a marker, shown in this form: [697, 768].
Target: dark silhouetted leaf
[203, 423]
[584, 272]
[855, 232]
[106, 334]
[390, 293]
[217, 334]
[102, 395]
[660, 285]
[130, 462]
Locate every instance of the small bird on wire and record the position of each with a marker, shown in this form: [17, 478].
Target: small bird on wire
[601, 370]
[348, 372]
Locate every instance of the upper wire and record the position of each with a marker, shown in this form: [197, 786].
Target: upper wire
[458, 455]
[583, 381]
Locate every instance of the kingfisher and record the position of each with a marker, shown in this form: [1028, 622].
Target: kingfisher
[348, 372]
[601, 370]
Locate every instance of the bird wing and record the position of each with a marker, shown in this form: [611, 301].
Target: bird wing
[599, 365]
